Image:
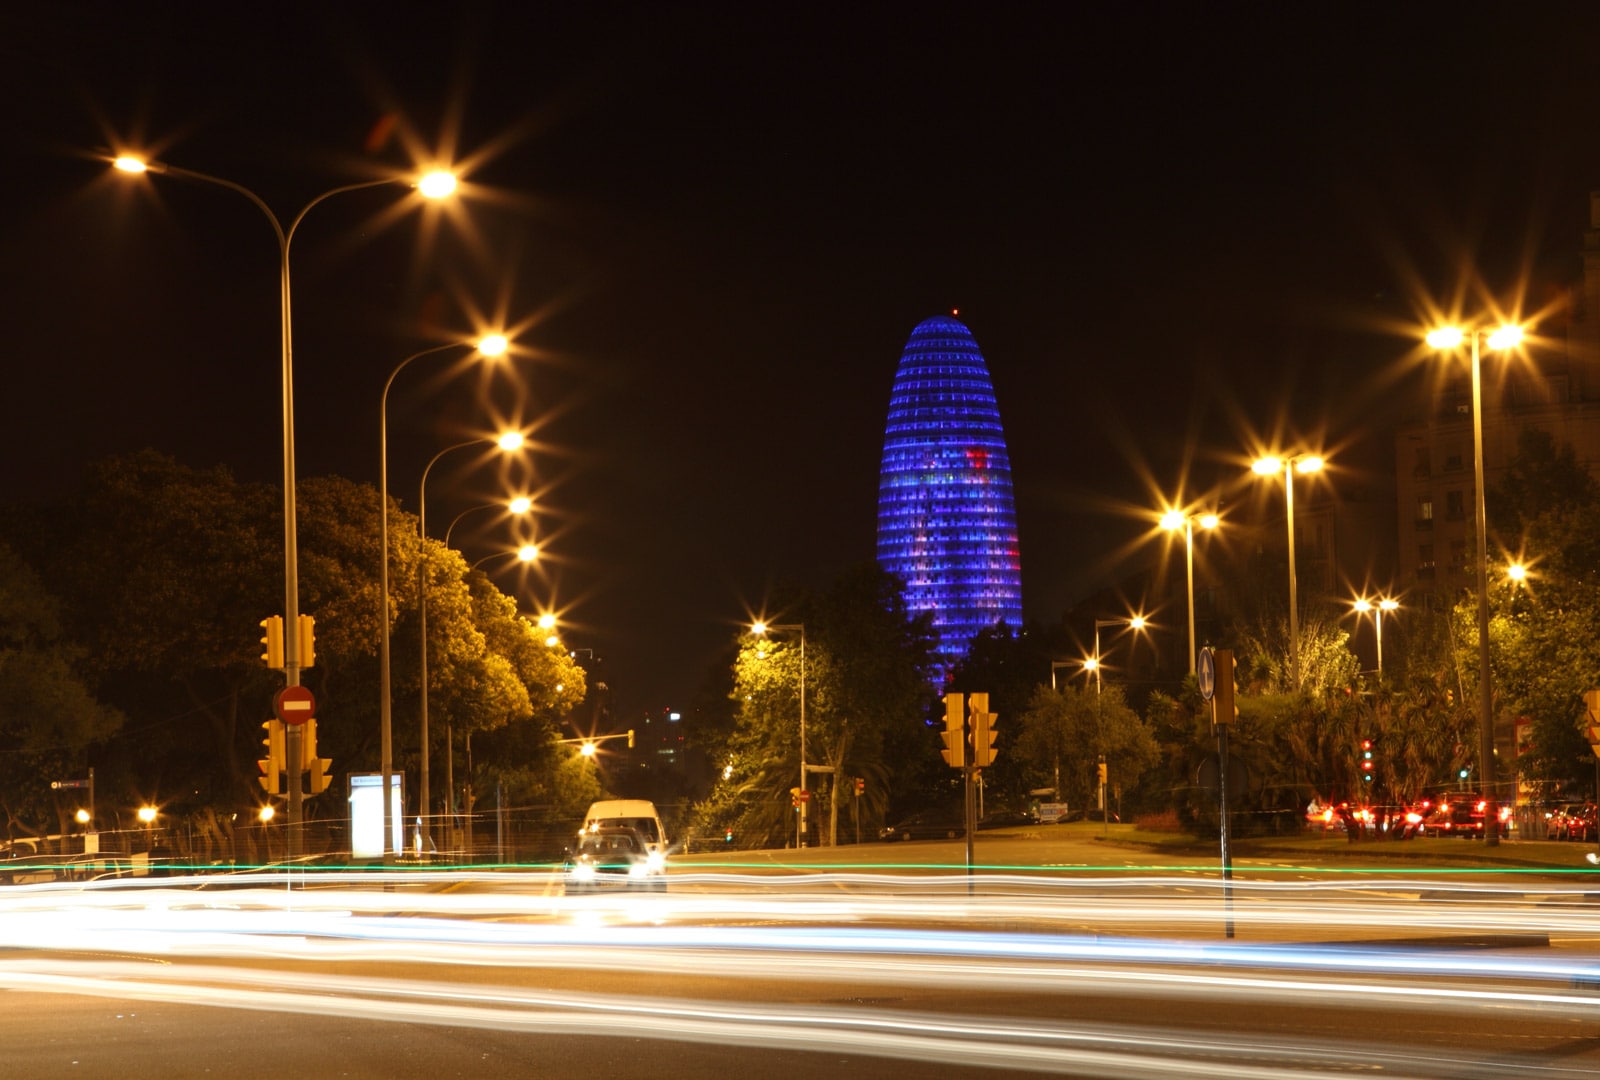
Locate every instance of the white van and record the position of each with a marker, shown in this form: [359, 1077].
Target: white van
[638, 814]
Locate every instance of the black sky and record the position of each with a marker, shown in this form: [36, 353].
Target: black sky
[1169, 226]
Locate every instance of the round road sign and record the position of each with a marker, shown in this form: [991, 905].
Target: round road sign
[294, 705]
[1206, 673]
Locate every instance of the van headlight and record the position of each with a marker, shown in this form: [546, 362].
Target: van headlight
[583, 871]
[655, 862]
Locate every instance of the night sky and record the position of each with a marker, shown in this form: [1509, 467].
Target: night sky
[1178, 232]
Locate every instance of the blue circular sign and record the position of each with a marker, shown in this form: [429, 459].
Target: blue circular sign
[1206, 673]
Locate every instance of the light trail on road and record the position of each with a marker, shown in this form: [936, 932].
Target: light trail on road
[1017, 944]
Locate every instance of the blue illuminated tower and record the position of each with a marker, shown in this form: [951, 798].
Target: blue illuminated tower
[946, 522]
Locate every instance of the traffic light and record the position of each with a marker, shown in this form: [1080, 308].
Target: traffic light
[1366, 761]
[630, 738]
[861, 786]
[272, 642]
[272, 764]
[308, 641]
[983, 736]
[1224, 696]
[316, 766]
[1100, 773]
[954, 734]
[794, 797]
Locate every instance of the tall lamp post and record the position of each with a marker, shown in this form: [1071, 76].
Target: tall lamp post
[1363, 606]
[434, 185]
[490, 346]
[1094, 664]
[760, 630]
[1271, 466]
[509, 442]
[1448, 339]
[1173, 520]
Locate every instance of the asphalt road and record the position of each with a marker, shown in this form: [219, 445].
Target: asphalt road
[1067, 956]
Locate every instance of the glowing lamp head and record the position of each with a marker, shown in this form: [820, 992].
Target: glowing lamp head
[82, 817]
[1091, 664]
[1309, 464]
[1363, 605]
[147, 814]
[1209, 521]
[1505, 337]
[493, 345]
[1517, 572]
[1388, 605]
[547, 621]
[266, 813]
[511, 440]
[521, 504]
[437, 184]
[758, 628]
[1137, 622]
[1172, 520]
[1446, 337]
[587, 749]
[129, 164]
[528, 552]
[1266, 466]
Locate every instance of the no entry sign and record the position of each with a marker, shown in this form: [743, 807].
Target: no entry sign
[294, 705]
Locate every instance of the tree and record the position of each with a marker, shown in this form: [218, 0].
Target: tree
[866, 690]
[1066, 732]
[48, 716]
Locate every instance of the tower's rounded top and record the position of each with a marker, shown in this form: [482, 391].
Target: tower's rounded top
[941, 324]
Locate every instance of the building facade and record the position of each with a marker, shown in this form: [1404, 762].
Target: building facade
[947, 524]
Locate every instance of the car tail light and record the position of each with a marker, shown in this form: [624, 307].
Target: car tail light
[1413, 818]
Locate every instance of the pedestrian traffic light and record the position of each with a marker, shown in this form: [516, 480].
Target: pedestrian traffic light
[272, 764]
[307, 641]
[954, 734]
[316, 767]
[983, 736]
[1366, 761]
[272, 642]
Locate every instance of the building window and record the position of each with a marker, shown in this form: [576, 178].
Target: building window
[1455, 505]
[1423, 467]
[1424, 511]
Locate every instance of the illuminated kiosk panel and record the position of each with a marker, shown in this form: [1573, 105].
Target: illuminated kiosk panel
[947, 525]
[366, 813]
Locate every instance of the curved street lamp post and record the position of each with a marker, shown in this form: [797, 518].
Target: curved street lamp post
[433, 185]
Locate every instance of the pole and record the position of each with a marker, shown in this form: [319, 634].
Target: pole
[1222, 788]
[1378, 622]
[1486, 769]
[1294, 608]
[1188, 547]
[804, 802]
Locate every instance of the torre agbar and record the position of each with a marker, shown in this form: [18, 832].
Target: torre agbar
[946, 522]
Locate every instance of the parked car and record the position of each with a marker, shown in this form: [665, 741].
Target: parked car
[944, 824]
[1578, 822]
[1008, 819]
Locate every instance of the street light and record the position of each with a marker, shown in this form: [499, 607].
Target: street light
[510, 441]
[490, 346]
[760, 629]
[1363, 606]
[1173, 520]
[431, 186]
[1095, 665]
[1448, 339]
[1271, 466]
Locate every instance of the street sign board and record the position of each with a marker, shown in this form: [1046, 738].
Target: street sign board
[1206, 673]
[56, 785]
[294, 704]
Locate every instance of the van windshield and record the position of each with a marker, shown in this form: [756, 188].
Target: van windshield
[645, 826]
